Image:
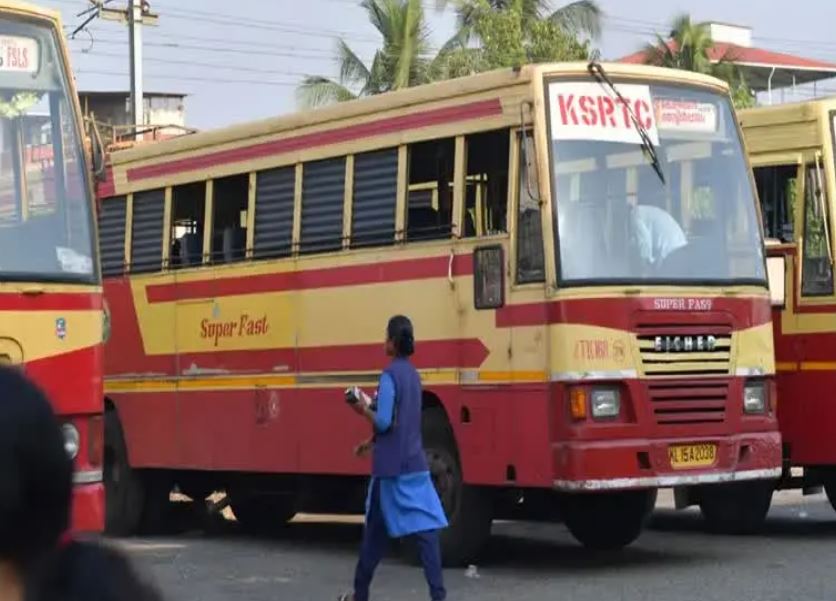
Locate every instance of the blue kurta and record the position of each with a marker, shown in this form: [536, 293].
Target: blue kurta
[409, 502]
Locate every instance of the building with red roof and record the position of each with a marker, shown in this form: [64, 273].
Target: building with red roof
[764, 70]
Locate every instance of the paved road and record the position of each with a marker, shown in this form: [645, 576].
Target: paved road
[673, 561]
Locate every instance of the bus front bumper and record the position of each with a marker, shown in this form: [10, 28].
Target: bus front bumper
[584, 466]
[88, 513]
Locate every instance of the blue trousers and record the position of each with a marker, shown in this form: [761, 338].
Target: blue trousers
[375, 543]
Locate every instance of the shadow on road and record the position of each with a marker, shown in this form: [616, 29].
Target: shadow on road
[515, 546]
[783, 524]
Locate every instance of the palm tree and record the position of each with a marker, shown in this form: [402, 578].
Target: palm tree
[582, 17]
[689, 48]
[402, 60]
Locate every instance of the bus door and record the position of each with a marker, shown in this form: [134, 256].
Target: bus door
[526, 317]
[202, 327]
[485, 374]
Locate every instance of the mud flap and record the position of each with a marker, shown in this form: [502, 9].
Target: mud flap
[683, 497]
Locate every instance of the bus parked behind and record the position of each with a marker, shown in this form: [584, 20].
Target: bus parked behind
[792, 156]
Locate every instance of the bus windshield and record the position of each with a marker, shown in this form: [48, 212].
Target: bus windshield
[46, 231]
[619, 219]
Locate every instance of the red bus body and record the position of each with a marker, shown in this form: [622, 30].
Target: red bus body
[226, 370]
[72, 378]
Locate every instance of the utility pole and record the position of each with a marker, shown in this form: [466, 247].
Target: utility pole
[136, 14]
[137, 95]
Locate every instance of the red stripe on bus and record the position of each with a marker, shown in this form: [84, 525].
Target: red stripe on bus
[627, 314]
[329, 277]
[129, 356]
[464, 112]
[51, 301]
[429, 354]
[106, 187]
[72, 381]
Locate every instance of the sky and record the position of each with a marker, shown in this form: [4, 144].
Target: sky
[242, 60]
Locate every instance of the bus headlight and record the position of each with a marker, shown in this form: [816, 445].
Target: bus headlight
[754, 397]
[605, 402]
[72, 440]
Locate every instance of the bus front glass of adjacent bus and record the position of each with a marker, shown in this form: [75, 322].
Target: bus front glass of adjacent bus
[50, 296]
[654, 210]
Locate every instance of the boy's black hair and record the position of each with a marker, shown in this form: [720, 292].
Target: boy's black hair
[36, 480]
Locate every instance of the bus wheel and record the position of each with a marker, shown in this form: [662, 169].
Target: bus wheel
[738, 507]
[262, 512]
[469, 510]
[124, 487]
[157, 508]
[608, 521]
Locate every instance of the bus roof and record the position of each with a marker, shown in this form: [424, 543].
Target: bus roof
[30, 9]
[790, 112]
[430, 93]
[785, 127]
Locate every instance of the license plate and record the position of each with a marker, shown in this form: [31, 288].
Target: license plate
[692, 456]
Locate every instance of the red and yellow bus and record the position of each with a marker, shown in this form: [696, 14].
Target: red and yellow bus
[791, 149]
[575, 356]
[51, 311]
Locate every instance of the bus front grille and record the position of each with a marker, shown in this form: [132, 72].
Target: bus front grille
[678, 402]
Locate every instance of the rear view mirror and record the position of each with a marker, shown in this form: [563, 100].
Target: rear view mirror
[776, 270]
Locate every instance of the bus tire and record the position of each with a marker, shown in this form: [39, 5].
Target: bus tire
[738, 507]
[258, 513]
[124, 486]
[468, 508]
[608, 521]
[156, 505]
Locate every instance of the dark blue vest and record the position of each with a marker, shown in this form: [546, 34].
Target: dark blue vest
[400, 449]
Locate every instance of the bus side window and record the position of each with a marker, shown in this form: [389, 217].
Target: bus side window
[112, 235]
[323, 197]
[147, 231]
[375, 197]
[188, 214]
[430, 190]
[486, 184]
[229, 218]
[777, 189]
[274, 193]
[530, 252]
[816, 269]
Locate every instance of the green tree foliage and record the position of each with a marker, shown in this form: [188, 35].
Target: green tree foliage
[510, 37]
[581, 18]
[401, 61]
[689, 49]
[506, 33]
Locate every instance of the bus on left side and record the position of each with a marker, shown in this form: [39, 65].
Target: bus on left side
[52, 316]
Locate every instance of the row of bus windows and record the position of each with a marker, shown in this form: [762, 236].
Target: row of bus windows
[370, 178]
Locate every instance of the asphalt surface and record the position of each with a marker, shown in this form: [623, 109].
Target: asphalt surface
[794, 558]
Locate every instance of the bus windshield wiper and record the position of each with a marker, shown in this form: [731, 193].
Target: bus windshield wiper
[649, 148]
